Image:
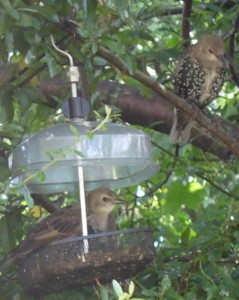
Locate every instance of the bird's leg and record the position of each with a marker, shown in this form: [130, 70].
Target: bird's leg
[217, 122]
[196, 110]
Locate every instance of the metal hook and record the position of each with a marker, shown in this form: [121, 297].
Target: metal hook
[73, 72]
[61, 51]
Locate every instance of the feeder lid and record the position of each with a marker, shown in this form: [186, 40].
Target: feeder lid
[118, 156]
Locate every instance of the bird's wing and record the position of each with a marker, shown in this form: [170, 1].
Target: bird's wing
[62, 223]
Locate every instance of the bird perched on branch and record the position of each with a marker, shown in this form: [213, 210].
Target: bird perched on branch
[199, 77]
[66, 222]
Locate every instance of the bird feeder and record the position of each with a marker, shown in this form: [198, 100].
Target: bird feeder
[79, 155]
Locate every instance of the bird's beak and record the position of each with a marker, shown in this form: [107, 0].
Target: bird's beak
[222, 58]
[119, 201]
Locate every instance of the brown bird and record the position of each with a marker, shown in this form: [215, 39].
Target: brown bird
[66, 222]
[198, 78]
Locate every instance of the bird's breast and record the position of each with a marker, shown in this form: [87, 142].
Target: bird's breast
[98, 222]
[211, 87]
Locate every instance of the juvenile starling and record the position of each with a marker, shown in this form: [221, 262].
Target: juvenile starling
[66, 222]
[199, 77]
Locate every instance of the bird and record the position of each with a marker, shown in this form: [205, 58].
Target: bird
[66, 222]
[198, 78]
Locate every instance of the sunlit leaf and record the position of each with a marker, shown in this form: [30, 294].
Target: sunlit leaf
[131, 288]
[178, 194]
[74, 130]
[117, 288]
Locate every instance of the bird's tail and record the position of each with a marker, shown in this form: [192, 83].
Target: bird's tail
[181, 128]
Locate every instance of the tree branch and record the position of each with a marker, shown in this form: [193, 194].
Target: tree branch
[187, 10]
[156, 113]
[48, 205]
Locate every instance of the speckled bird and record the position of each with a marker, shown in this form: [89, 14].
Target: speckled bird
[198, 78]
[66, 222]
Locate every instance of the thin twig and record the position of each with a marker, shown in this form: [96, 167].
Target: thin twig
[219, 188]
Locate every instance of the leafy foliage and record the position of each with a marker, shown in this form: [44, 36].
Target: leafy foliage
[191, 203]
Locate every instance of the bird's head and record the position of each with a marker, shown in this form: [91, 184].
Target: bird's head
[209, 51]
[102, 200]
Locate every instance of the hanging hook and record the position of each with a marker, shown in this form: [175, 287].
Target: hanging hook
[73, 72]
[61, 51]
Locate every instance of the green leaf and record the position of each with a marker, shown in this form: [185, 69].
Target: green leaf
[14, 129]
[117, 288]
[51, 64]
[5, 171]
[90, 11]
[104, 293]
[28, 198]
[80, 153]
[142, 34]
[185, 236]
[122, 6]
[124, 296]
[48, 13]
[108, 109]
[114, 46]
[5, 234]
[26, 20]
[191, 194]
[131, 64]
[166, 283]
[90, 135]
[74, 130]
[131, 288]
[6, 111]
[10, 10]
[94, 48]
[41, 177]
[9, 41]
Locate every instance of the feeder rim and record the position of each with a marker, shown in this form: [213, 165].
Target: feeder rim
[98, 235]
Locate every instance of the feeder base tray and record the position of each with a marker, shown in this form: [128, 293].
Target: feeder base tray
[67, 264]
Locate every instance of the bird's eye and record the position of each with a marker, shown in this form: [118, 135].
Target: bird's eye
[210, 51]
[105, 199]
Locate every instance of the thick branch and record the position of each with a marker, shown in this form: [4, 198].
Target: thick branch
[156, 113]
